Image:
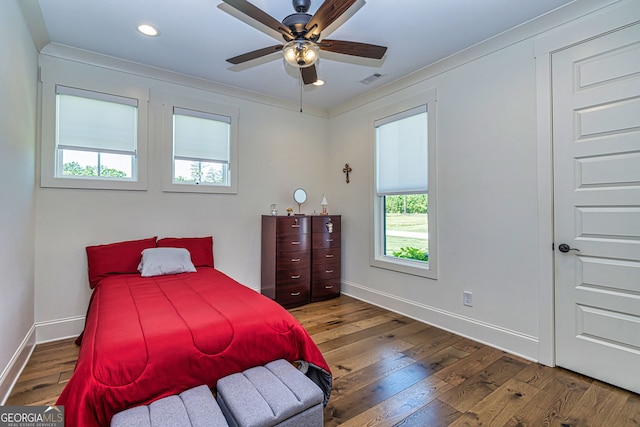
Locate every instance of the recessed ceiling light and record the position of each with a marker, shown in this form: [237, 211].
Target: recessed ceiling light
[148, 30]
[318, 82]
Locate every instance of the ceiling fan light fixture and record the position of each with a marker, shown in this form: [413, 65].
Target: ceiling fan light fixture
[301, 53]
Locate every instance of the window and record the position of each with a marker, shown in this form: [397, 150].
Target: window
[96, 135]
[202, 146]
[94, 128]
[403, 217]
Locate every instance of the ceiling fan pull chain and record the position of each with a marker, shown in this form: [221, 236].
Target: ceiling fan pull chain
[301, 85]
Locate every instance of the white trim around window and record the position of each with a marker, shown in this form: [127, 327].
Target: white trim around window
[377, 257]
[57, 79]
[219, 153]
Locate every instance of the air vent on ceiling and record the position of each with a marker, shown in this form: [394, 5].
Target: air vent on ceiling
[372, 78]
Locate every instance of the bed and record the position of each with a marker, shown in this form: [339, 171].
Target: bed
[150, 337]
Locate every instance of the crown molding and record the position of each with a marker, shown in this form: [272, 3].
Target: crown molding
[527, 30]
[110, 62]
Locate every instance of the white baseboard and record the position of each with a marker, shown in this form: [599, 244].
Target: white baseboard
[513, 342]
[53, 330]
[16, 365]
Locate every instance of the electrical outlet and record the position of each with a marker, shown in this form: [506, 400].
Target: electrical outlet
[467, 298]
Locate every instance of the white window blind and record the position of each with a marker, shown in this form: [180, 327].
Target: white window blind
[92, 121]
[201, 136]
[402, 153]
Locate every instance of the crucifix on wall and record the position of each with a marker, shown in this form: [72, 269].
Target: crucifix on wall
[346, 171]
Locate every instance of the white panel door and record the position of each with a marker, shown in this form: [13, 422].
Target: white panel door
[596, 140]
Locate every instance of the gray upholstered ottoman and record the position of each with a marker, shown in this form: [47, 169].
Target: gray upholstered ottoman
[276, 394]
[194, 407]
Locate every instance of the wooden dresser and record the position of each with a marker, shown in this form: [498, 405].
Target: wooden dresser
[300, 258]
[325, 257]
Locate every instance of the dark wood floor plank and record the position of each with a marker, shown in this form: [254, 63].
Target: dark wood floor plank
[499, 407]
[470, 392]
[434, 414]
[400, 405]
[629, 414]
[363, 353]
[468, 345]
[331, 331]
[596, 406]
[470, 366]
[554, 403]
[392, 370]
[355, 381]
[387, 328]
[353, 404]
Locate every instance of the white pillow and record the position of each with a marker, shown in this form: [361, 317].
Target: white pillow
[159, 261]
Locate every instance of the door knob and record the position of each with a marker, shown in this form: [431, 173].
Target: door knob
[563, 247]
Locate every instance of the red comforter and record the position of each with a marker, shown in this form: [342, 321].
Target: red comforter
[146, 338]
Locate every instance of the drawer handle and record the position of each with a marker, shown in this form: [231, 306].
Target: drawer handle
[297, 276]
[329, 256]
[295, 243]
[295, 294]
[295, 226]
[328, 271]
[328, 287]
[295, 259]
[329, 240]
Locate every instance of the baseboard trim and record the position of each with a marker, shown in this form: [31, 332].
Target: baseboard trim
[59, 329]
[516, 343]
[16, 365]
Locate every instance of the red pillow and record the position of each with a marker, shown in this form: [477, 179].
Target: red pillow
[116, 258]
[200, 248]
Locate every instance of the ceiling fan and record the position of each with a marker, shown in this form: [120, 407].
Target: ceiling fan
[302, 35]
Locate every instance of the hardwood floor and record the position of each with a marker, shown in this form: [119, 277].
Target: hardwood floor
[390, 370]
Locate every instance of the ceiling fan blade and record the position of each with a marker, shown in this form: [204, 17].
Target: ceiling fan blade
[249, 21]
[364, 50]
[260, 16]
[326, 31]
[254, 54]
[309, 74]
[328, 12]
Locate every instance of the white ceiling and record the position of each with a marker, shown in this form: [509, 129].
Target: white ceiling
[197, 36]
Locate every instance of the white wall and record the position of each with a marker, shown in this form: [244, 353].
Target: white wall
[487, 222]
[489, 229]
[18, 76]
[275, 158]
[493, 218]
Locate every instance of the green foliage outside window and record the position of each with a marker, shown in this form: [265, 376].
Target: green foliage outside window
[75, 169]
[406, 204]
[412, 253]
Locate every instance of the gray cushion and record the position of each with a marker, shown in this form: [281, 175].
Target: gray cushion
[202, 408]
[138, 416]
[168, 411]
[269, 395]
[194, 407]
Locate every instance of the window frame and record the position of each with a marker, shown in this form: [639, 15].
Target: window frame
[96, 88]
[207, 108]
[377, 255]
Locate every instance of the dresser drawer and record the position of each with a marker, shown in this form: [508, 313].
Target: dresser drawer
[324, 256]
[286, 260]
[293, 295]
[325, 240]
[325, 289]
[292, 225]
[293, 242]
[325, 271]
[292, 276]
[323, 224]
